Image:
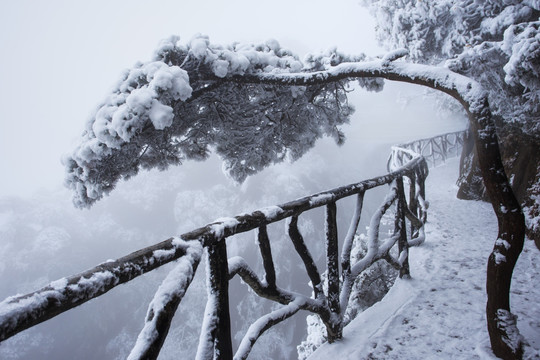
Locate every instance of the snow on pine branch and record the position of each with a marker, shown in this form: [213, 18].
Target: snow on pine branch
[493, 42]
[254, 106]
[178, 106]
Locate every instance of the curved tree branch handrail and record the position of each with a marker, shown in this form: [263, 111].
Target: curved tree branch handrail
[17, 313]
[20, 312]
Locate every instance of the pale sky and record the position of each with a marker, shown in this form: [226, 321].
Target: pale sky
[60, 59]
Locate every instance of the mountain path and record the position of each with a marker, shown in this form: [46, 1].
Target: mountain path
[440, 312]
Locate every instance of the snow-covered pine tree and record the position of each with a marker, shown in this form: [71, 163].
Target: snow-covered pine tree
[496, 42]
[176, 108]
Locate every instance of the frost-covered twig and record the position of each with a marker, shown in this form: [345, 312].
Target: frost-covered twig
[373, 234]
[393, 56]
[238, 266]
[348, 241]
[264, 323]
[205, 349]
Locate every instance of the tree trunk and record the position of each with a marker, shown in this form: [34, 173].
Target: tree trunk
[470, 182]
[504, 336]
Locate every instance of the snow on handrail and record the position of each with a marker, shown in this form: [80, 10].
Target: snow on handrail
[20, 312]
[435, 149]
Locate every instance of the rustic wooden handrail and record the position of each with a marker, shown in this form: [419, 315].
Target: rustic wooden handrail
[434, 149]
[20, 312]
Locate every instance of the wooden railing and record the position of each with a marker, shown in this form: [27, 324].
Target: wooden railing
[408, 171]
[435, 149]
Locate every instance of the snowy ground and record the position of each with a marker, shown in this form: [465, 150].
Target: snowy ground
[439, 313]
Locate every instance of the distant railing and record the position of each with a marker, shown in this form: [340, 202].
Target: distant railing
[407, 190]
[435, 149]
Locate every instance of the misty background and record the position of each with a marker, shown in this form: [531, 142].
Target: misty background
[60, 59]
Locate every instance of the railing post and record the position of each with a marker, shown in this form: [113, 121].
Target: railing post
[332, 267]
[266, 253]
[219, 288]
[403, 245]
[413, 201]
[444, 149]
[421, 180]
[432, 151]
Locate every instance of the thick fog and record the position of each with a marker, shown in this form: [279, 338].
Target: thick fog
[44, 238]
[59, 60]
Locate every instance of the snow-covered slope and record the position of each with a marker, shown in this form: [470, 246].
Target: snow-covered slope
[440, 312]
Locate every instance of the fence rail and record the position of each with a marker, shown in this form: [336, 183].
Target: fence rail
[406, 177]
[435, 150]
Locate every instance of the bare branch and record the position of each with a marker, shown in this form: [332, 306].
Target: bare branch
[348, 241]
[164, 304]
[266, 253]
[264, 323]
[305, 255]
[238, 266]
[374, 252]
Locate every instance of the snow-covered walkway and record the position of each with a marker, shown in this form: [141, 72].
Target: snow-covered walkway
[439, 313]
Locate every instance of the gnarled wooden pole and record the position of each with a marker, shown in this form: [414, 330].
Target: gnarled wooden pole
[506, 341]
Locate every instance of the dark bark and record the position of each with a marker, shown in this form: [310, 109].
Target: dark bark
[521, 159]
[334, 329]
[470, 181]
[219, 283]
[403, 245]
[266, 253]
[413, 202]
[511, 234]
[305, 255]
